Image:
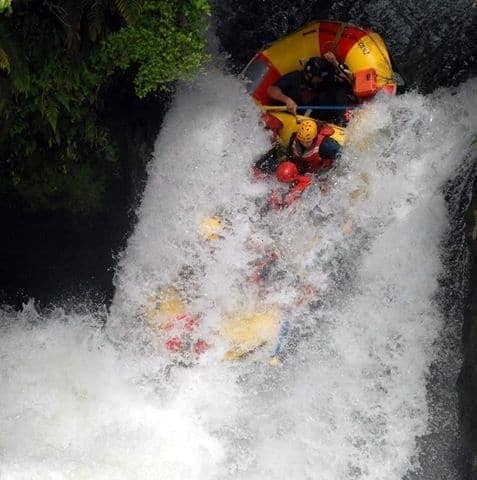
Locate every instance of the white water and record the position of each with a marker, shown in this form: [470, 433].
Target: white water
[78, 402]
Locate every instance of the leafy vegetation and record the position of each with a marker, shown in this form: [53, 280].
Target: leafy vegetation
[56, 63]
[6, 5]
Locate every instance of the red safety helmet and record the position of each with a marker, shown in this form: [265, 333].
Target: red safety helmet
[287, 172]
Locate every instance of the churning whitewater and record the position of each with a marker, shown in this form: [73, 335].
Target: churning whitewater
[356, 278]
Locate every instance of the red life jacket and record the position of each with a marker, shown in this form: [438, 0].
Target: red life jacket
[311, 156]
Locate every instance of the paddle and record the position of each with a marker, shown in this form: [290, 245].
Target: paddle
[283, 108]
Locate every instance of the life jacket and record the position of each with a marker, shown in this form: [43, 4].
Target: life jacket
[311, 156]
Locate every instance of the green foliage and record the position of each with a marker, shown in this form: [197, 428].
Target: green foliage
[55, 150]
[130, 10]
[6, 6]
[165, 45]
[4, 60]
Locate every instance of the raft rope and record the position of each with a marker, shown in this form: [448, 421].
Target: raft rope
[387, 58]
[338, 35]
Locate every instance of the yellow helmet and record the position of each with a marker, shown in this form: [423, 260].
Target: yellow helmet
[307, 131]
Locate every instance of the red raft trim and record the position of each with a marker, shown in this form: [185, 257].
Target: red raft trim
[270, 77]
[327, 34]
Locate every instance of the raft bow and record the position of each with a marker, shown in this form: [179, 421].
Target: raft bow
[362, 50]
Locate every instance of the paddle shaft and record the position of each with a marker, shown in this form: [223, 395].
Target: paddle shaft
[283, 108]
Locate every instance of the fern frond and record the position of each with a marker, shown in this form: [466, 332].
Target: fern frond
[4, 60]
[130, 10]
[51, 114]
[13, 61]
[96, 17]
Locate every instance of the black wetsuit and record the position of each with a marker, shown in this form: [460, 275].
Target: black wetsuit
[332, 90]
[295, 86]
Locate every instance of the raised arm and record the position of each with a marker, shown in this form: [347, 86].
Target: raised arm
[342, 69]
[276, 93]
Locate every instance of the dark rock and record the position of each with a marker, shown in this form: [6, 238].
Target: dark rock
[433, 44]
[468, 376]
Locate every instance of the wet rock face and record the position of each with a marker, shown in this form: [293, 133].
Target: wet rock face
[245, 26]
[432, 43]
[468, 376]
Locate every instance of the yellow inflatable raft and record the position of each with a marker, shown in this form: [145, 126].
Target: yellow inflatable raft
[363, 51]
[179, 330]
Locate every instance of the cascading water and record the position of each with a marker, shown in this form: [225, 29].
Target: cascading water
[349, 400]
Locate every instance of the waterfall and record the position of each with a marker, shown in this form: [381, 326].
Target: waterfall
[349, 399]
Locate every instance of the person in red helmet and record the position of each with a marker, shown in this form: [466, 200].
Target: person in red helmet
[311, 150]
[287, 172]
